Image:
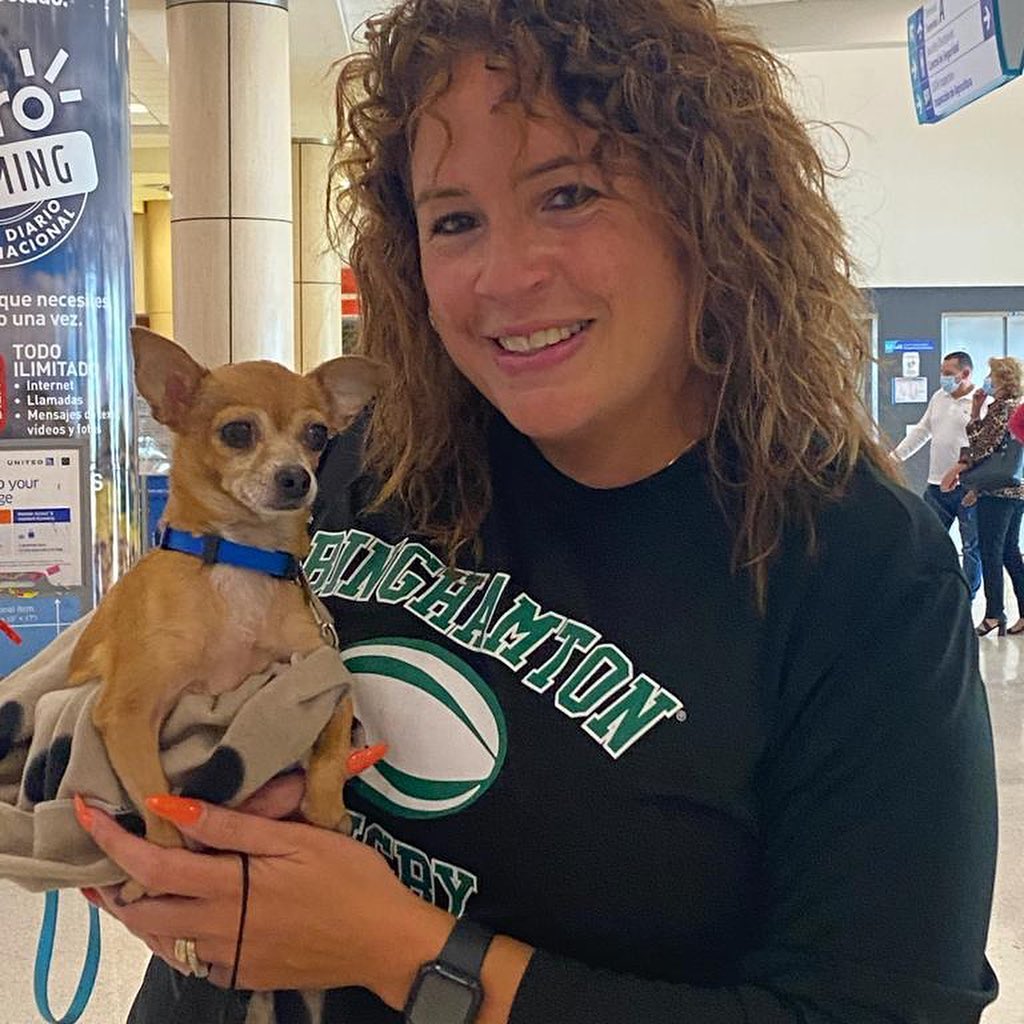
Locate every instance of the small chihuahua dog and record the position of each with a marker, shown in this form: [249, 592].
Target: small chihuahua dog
[219, 601]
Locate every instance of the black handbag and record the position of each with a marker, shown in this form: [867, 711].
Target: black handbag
[1002, 467]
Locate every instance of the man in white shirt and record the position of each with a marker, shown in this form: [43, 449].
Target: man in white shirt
[944, 423]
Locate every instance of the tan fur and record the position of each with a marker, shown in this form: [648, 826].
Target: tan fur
[172, 623]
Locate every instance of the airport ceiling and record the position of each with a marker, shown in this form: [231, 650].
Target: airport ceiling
[321, 30]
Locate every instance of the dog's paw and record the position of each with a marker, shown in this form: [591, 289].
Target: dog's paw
[130, 891]
[335, 818]
[163, 833]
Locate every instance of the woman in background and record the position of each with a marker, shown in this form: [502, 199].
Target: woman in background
[999, 511]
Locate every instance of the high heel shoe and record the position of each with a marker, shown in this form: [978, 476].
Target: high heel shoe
[1017, 628]
[987, 625]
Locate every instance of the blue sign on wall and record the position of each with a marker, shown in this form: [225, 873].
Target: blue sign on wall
[893, 345]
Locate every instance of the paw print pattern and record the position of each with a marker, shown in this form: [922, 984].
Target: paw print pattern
[219, 779]
[46, 770]
[12, 714]
[132, 822]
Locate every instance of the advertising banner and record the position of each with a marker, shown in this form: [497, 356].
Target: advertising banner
[67, 463]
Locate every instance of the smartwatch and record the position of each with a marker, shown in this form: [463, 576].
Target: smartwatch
[448, 990]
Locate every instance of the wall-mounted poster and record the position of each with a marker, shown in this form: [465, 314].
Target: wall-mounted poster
[44, 547]
[908, 390]
[911, 364]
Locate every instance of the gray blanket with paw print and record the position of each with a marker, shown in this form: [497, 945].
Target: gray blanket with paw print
[220, 748]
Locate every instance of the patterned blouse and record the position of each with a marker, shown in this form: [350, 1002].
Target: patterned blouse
[985, 436]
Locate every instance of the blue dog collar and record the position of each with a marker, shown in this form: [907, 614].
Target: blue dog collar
[214, 550]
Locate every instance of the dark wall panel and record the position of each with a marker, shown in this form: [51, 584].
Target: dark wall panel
[917, 313]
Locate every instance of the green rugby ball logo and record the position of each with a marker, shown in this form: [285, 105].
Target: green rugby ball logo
[443, 725]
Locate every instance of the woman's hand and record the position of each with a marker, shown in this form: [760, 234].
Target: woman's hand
[951, 480]
[978, 400]
[282, 797]
[323, 911]
[277, 799]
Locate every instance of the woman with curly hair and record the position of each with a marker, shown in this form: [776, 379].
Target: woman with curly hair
[1000, 509]
[681, 689]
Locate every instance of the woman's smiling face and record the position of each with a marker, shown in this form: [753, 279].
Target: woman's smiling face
[560, 297]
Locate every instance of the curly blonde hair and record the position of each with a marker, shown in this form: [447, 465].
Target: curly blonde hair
[698, 108]
[1008, 377]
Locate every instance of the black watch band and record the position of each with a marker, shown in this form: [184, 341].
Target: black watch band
[447, 989]
[466, 947]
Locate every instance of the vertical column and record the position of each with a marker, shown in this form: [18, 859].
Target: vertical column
[231, 215]
[318, 324]
[158, 267]
[139, 259]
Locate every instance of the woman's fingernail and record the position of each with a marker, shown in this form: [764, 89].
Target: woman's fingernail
[92, 896]
[360, 760]
[83, 813]
[179, 809]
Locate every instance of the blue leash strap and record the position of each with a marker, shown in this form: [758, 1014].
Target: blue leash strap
[44, 954]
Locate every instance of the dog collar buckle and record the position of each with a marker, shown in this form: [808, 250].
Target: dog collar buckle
[211, 548]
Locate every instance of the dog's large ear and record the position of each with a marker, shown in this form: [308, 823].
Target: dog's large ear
[166, 375]
[349, 382]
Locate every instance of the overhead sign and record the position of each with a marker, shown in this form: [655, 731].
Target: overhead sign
[959, 51]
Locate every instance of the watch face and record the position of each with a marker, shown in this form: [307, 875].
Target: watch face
[442, 999]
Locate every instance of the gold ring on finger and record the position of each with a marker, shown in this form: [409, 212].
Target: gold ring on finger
[185, 954]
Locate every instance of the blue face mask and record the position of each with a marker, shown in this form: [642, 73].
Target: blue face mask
[949, 384]
[986, 386]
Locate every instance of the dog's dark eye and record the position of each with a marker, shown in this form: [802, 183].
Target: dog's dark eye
[315, 437]
[237, 434]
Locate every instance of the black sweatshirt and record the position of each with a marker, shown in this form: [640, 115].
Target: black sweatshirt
[696, 814]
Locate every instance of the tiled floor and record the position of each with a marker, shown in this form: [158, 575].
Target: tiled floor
[1002, 667]
[124, 958]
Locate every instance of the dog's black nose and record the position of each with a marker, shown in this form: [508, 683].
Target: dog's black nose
[292, 482]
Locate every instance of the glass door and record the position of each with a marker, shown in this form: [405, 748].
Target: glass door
[983, 336]
[1015, 335]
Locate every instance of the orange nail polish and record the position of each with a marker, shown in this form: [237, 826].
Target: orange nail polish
[179, 809]
[83, 813]
[360, 760]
